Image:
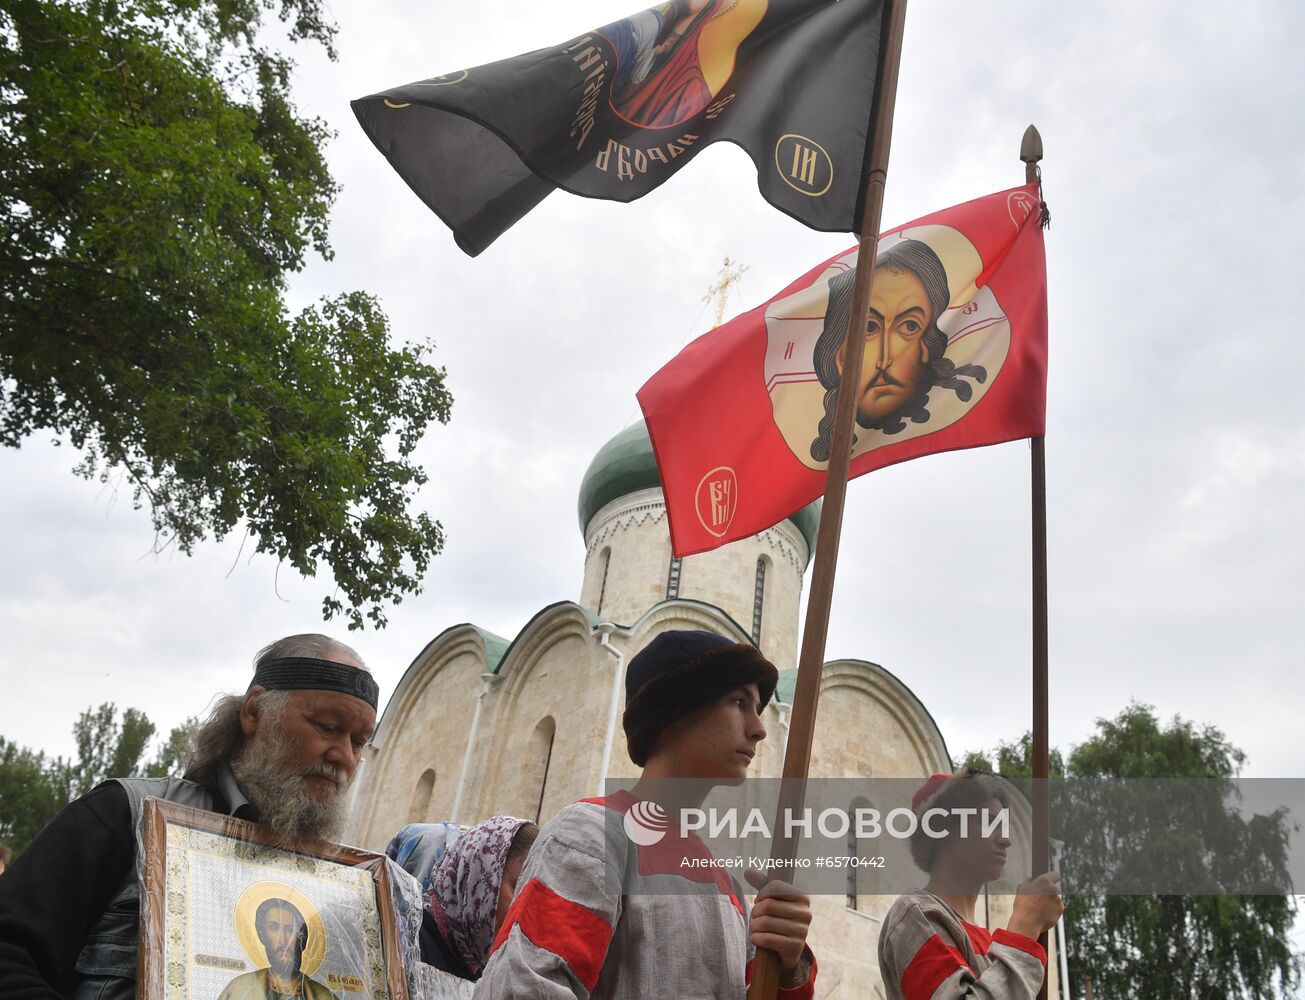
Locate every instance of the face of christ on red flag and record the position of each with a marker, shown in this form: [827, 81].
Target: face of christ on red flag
[928, 356]
[955, 357]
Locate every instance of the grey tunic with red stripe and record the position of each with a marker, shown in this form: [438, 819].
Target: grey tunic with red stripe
[926, 952]
[596, 917]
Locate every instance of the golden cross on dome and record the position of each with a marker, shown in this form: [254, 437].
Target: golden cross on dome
[728, 276]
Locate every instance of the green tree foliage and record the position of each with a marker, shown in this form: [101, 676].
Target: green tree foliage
[176, 751]
[107, 748]
[34, 787]
[1014, 760]
[1211, 945]
[157, 187]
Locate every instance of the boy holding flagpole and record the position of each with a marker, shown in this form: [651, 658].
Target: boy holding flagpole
[607, 906]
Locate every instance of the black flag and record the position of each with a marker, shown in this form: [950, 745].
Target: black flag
[614, 112]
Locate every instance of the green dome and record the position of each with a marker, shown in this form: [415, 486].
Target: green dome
[626, 464]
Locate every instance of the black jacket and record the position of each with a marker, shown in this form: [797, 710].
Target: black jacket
[438, 952]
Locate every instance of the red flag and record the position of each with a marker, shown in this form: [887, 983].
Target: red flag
[741, 419]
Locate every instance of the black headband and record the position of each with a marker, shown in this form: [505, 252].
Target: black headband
[305, 673]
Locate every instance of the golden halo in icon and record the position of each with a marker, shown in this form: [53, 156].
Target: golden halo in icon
[247, 907]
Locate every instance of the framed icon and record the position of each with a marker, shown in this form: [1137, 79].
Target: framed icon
[230, 913]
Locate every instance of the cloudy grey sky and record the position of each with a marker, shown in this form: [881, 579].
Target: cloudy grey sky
[1175, 173]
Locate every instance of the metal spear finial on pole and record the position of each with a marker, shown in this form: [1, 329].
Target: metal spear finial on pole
[1031, 152]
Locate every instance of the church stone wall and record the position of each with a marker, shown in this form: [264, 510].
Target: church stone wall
[726, 578]
[871, 726]
[426, 731]
[628, 541]
[634, 529]
[562, 678]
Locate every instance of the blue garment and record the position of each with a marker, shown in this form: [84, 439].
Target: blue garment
[417, 846]
[634, 39]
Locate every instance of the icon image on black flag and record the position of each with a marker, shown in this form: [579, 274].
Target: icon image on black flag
[672, 60]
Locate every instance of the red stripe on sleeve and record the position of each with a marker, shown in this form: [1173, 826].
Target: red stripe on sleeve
[804, 992]
[572, 932]
[932, 964]
[1021, 942]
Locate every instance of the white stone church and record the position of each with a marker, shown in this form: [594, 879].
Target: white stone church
[483, 724]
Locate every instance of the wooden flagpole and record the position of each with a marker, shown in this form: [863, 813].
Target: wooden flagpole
[797, 756]
[1031, 154]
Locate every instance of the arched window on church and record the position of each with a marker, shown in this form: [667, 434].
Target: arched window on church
[759, 599]
[606, 557]
[673, 578]
[854, 851]
[421, 795]
[541, 755]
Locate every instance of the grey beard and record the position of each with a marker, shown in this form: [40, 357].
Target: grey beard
[279, 792]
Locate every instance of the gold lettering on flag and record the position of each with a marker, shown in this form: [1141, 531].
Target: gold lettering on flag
[717, 500]
[630, 161]
[804, 165]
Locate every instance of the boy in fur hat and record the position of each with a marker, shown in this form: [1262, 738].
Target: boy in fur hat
[577, 928]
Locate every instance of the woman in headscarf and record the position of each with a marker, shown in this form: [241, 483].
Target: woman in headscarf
[417, 846]
[471, 885]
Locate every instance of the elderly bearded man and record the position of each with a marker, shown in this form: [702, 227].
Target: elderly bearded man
[281, 754]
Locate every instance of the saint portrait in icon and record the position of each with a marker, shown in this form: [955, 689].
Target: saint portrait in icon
[933, 343]
[673, 59]
[285, 946]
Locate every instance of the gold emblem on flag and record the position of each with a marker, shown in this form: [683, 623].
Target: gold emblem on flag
[717, 499]
[804, 165]
[1021, 205]
[445, 80]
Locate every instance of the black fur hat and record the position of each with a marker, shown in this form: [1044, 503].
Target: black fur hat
[680, 671]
